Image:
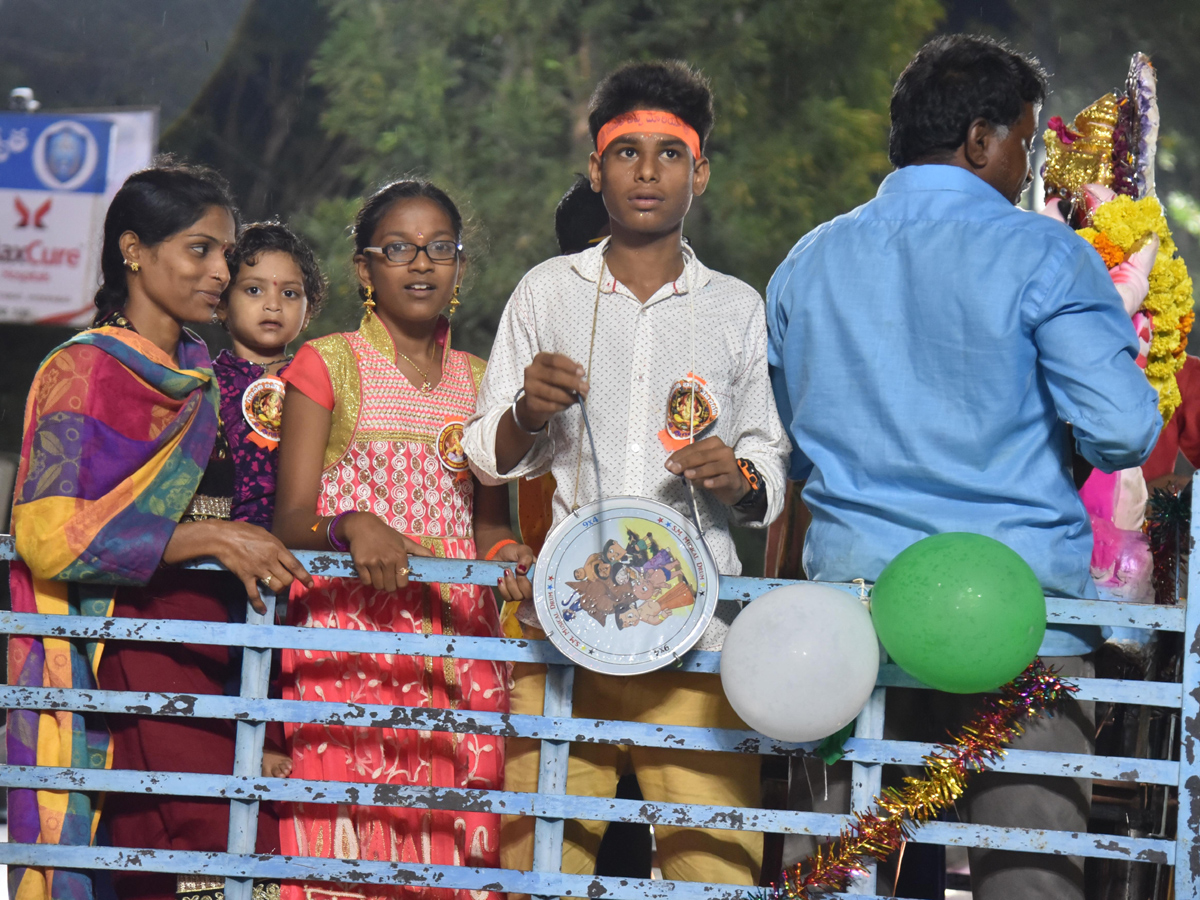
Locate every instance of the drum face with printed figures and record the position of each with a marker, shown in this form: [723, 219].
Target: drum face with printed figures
[625, 585]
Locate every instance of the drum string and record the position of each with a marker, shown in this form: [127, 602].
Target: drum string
[592, 445]
[584, 424]
[692, 410]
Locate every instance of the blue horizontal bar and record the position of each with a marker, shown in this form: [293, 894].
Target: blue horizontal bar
[337, 565]
[1059, 610]
[1073, 765]
[429, 569]
[303, 868]
[1025, 762]
[509, 803]
[1148, 693]
[1058, 843]
[568, 806]
[543, 883]
[1107, 690]
[183, 631]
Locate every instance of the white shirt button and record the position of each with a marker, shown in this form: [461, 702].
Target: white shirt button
[635, 448]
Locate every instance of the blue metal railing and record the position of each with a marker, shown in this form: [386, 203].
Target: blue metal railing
[556, 729]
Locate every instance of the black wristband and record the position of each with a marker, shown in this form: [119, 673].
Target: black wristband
[757, 490]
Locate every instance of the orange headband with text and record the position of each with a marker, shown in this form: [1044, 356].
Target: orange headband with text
[652, 121]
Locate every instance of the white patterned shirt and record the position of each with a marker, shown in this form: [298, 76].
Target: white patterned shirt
[704, 321]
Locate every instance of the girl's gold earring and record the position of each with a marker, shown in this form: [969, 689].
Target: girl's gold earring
[133, 267]
[369, 298]
[454, 302]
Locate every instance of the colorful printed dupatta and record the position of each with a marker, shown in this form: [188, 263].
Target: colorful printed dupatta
[116, 440]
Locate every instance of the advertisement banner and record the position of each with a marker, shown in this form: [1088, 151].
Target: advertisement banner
[47, 254]
[58, 172]
[48, 152]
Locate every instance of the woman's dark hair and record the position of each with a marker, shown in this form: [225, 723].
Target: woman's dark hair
[668, 85]
[952, 81]
[377, 205]
[267, 237]
[579, 217]
[154, 204]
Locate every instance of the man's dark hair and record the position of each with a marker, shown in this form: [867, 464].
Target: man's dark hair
[267, 237]
[667, 84]
[579, 217]
[952, 81]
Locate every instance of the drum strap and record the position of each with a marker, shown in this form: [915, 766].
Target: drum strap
[584, 424]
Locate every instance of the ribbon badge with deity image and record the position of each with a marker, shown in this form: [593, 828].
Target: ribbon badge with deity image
[262, 408]
[450, 449]
[691, 411]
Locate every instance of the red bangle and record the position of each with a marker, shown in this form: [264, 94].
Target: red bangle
[497, 547]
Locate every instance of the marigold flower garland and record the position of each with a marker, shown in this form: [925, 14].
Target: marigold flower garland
[899, 812]
[1118, 227]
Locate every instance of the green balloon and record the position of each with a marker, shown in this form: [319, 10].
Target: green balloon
[960, 612]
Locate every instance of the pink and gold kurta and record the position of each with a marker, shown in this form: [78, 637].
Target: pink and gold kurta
[383, 457]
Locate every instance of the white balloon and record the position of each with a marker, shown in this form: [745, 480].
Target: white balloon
[800, 662]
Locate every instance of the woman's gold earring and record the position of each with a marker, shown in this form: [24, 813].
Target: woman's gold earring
[454, 302]
[133, 267]
[369, 298]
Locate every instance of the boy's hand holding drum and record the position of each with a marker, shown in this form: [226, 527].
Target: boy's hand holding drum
[553, 382]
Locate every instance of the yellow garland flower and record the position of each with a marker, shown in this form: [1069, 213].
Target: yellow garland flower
[1119, 225]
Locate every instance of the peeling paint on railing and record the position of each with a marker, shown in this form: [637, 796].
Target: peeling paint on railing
[866, 751]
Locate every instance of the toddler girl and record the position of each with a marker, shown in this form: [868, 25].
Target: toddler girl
[274, 291]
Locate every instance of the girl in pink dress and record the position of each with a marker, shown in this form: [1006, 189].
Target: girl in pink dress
[371, 461]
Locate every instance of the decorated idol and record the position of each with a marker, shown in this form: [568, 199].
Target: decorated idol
[1099, 178]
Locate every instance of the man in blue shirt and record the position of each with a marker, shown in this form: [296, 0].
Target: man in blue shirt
[929, 351]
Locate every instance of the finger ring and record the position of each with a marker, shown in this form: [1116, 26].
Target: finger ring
[404, 571]
[266, 579]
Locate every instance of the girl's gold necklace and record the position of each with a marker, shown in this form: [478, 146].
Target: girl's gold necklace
[426, 387]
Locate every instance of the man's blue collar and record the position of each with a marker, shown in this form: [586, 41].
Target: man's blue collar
[935, 177]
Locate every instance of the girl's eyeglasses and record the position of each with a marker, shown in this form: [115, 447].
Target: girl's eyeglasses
[399, 253]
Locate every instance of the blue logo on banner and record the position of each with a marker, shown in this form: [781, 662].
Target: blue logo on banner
[64, 154]
[53, 153]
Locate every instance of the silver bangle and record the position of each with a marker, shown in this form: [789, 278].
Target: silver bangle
[517, 419]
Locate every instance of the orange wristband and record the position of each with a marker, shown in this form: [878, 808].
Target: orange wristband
[497, 547]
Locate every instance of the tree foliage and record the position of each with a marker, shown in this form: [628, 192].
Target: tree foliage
[489, 99]
[1087, 44]
[257, 120]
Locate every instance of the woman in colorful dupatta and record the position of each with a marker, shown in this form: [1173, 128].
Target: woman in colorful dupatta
[370, 456]
[120, 473]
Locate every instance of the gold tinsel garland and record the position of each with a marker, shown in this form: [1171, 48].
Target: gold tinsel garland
[898, 812]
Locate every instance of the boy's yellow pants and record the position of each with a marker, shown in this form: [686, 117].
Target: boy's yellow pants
[666, 697]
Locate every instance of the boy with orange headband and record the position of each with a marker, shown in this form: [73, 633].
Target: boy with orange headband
[652, 324]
